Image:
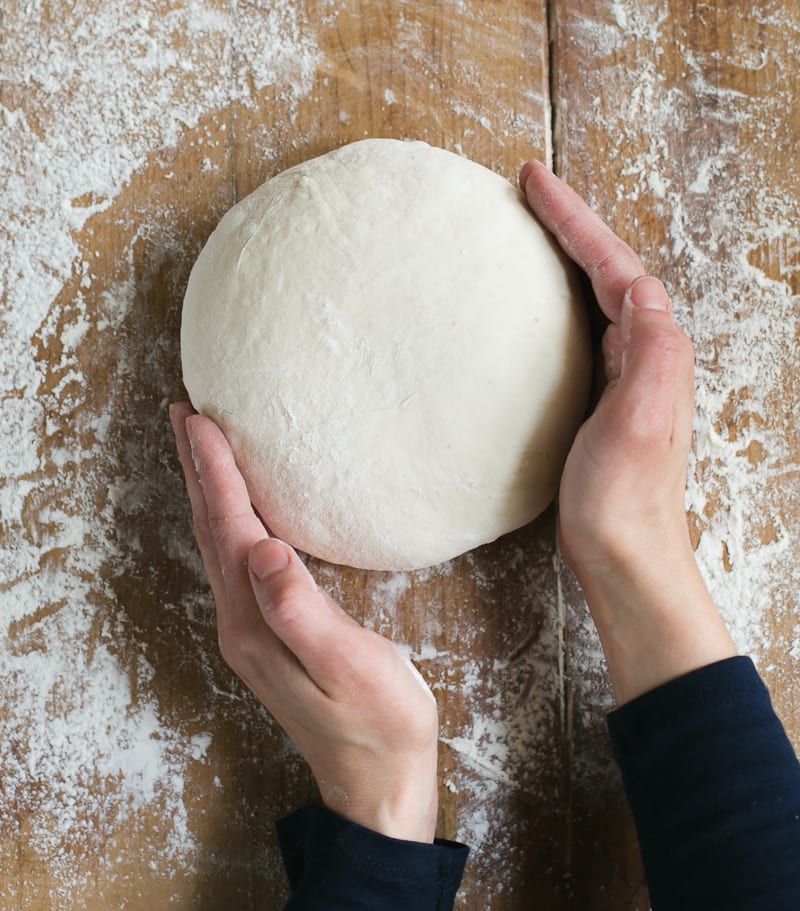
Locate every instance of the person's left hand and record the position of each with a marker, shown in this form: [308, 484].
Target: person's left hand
[354, 706]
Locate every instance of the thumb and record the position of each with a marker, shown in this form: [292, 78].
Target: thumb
[655, 389]
[295, 609]
[646, 303]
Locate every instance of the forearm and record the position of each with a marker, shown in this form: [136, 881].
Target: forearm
[655, 618]
[715, 791]
[713, 783]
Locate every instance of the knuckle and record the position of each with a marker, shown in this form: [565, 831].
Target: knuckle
[219, 528]
[618, 260]
[649, 424]
[287, 605]
[667, 351]
[671, 354]
[642, 426]
[569, 220]
[604, 264]
[228, 535]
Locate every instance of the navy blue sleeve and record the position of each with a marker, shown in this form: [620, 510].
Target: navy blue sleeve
[714, 787]
[337, 865]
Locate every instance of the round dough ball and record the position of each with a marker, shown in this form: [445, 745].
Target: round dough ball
[395, 349]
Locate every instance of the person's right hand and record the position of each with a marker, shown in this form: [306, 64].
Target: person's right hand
[622, 520]
[354, 706]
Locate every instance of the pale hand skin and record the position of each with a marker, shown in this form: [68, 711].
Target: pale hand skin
[622, 520]
[353, 705]
[355, 708]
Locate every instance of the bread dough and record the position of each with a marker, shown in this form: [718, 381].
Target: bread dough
[395, 349]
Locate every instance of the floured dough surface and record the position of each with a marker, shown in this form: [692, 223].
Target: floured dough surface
[395, 350]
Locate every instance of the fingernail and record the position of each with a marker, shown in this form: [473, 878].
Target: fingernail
[268, 557]
[524, 174]
[648, 293]
[176, 407]
[527, 169]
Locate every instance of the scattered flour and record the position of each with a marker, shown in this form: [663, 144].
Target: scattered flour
[719, 258]
[90, 92]
[728, 243]
[87, 101]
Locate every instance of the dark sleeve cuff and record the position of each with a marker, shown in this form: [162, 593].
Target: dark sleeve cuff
[338, 865]
[714, 787]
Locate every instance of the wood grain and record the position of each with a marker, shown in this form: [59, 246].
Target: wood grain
[677, 121]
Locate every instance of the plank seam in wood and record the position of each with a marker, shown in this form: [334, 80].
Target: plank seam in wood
[551, 83]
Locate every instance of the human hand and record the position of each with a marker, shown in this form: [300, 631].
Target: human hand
[622, 520]
[355, 707]
[622, 489]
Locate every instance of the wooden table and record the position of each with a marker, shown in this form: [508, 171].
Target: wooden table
[136, 773]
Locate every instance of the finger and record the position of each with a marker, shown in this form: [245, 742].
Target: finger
[231, 526]
[645, 293]
[304, 618]
[232, 521]
[608, 261]
[613, 346]
[656, 384]
[228, 527]
[179, 414]
[524, 174]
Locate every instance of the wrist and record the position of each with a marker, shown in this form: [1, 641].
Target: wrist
[655, 618]
[402, 805]
[410, 813]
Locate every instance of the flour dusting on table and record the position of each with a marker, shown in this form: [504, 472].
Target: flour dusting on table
[99, 103]
[729, 256]
[90, 93]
